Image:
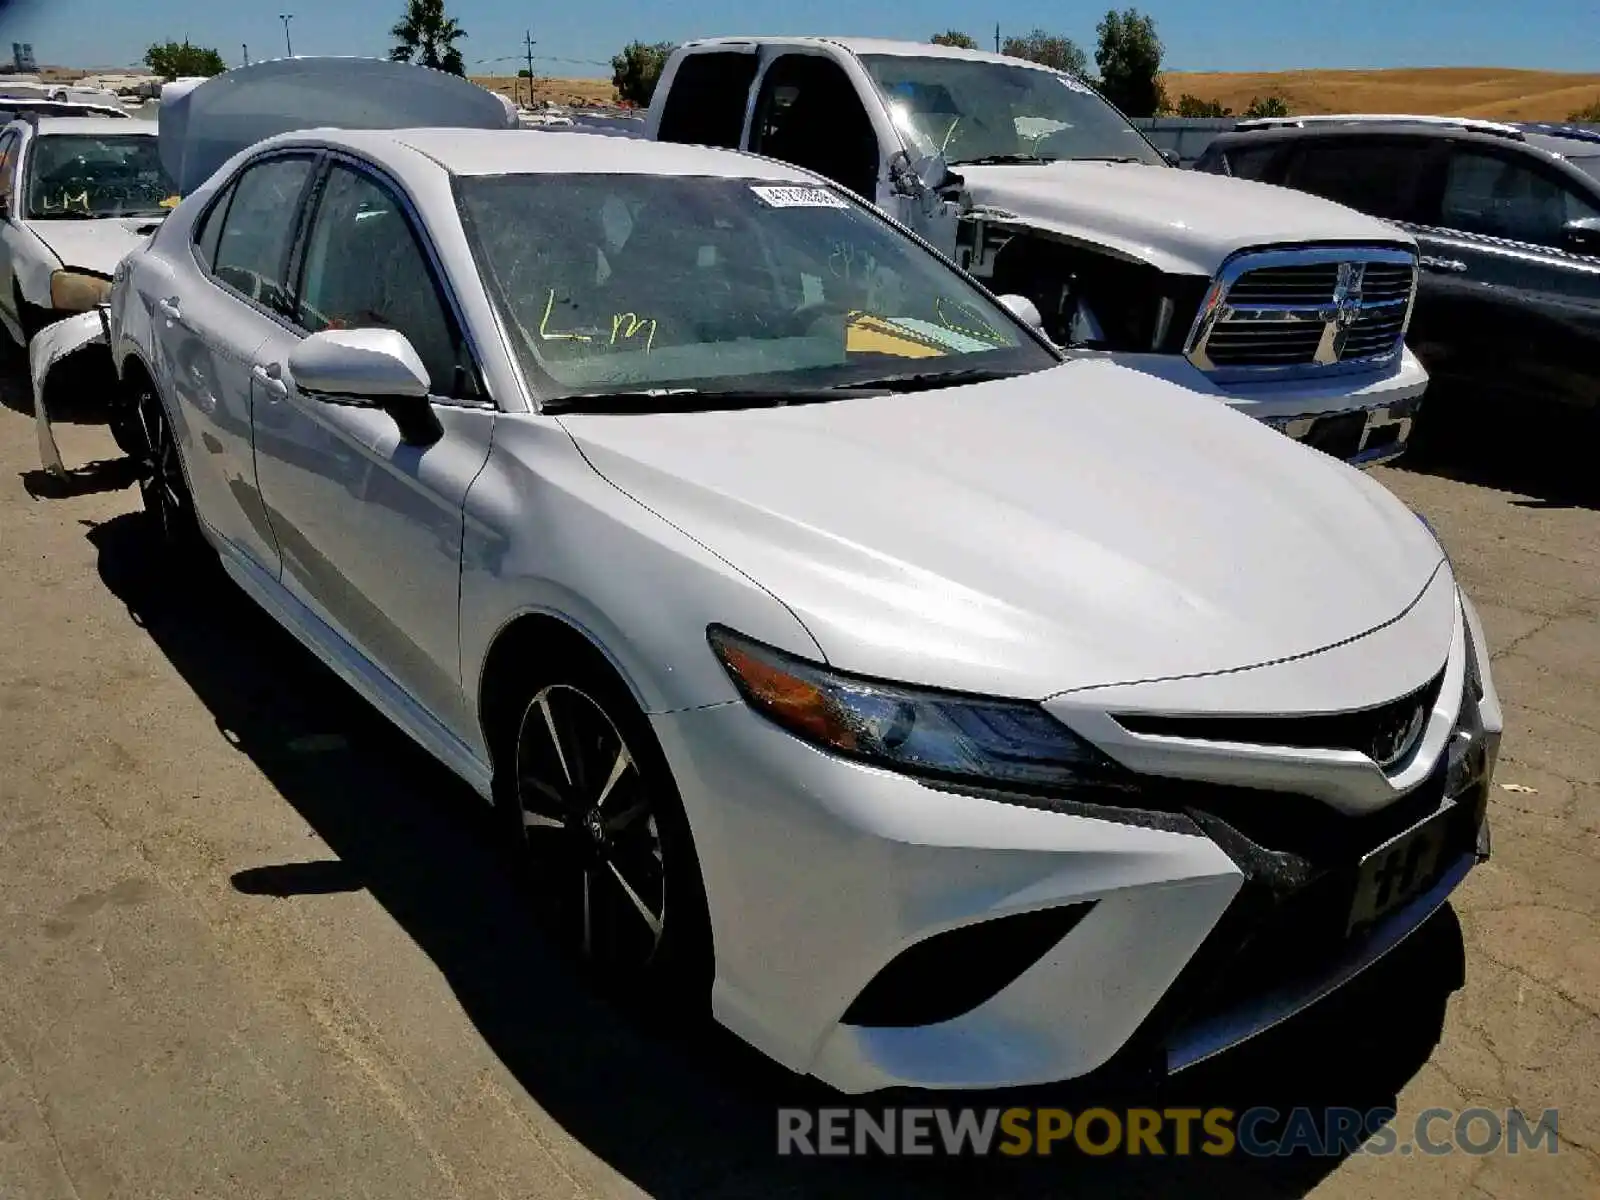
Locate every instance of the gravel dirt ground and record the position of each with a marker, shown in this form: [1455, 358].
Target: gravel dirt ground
[255, 944]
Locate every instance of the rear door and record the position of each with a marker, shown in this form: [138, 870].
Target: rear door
[212, 317]
[1512, 310]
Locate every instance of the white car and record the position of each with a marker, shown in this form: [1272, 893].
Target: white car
[76, 195]
[948, 713]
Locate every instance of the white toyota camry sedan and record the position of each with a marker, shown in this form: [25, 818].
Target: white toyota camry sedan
[945, 711]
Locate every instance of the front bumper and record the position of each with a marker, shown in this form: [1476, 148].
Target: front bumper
[1199, 922]
[1322, 412]
[52, 346]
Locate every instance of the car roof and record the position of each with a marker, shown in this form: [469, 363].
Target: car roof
[95, 126]
[1547, 140]
[886, 46]
[472, 152]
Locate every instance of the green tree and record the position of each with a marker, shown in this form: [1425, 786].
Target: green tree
[1050, 50]
[636, 71]
[1272, 106]
[954, 37]
[176, 60]
[1193, 106]
[427, 36]
[1129, 58]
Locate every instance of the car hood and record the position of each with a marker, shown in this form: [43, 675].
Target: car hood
[1076, 527]
[98, 245]
[1181, 221]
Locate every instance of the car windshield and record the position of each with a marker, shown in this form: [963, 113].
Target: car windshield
[97, 175]
[973, 111]
[704, 286]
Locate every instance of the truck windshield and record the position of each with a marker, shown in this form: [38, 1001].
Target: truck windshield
[693, 289]
[974, 111]
[97, 175]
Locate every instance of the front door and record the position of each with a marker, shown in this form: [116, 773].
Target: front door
[369, 524]
[1508, 306]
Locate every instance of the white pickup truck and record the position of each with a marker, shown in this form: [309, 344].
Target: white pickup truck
[1289, 307]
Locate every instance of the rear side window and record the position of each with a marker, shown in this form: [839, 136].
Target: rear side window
[252, 250]
[210, 231]
[706, 100]
[1250, 162]
[1380, 176]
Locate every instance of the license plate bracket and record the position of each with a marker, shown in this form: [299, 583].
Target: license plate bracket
[1401, 869]
[1339, 435]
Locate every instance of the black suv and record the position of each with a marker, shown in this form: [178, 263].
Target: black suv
[1507, 220]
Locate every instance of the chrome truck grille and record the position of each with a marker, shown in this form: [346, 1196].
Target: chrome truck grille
[1308, 311]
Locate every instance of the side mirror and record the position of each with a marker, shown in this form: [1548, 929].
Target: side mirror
[378, 368]
[1582, 236]
[917, 177]
[1172, 158]
[1024, 310]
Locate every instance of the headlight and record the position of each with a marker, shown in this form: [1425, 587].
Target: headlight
[74, 291]
[920, 731]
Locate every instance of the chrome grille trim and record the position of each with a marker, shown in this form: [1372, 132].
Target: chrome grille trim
[1311, 311]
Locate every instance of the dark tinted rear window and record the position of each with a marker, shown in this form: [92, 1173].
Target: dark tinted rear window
[1250, 162]
[1380, 176]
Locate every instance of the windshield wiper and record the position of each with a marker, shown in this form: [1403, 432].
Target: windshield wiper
[925, 381]
[998, 160]
[1112, 158]
[652, 400]
[67, 216]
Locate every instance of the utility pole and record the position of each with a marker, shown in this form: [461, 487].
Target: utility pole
[246, 48]
[528, 45]
[997, 37]
[288, 46]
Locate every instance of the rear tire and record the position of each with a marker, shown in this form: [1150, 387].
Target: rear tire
[594, 817]
[163, 487]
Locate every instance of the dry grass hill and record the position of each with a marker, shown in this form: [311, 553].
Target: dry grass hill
[1445, 91]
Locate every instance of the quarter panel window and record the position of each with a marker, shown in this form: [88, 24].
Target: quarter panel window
[252, 252]
[364, 269]
[1250, 163]
[1381, 177]
[1501, 197]
[706, 101]
[809, 114]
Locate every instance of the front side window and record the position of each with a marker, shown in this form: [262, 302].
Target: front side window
[252, 253]
[973, 111]
[635, 282]
[365, 270]
[1501, 197]
[106, 175]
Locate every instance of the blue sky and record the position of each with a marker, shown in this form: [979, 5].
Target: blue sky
[1551, 34]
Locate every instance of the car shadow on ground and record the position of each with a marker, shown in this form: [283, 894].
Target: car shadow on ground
[1541, 450]
[685, 1111]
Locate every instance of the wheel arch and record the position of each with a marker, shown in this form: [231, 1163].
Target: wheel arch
[528, 636]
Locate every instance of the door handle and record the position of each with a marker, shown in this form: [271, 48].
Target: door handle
[171, 309]
[271, 379]
[1453, 265]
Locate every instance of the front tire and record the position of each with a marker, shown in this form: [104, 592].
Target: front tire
[595, 817]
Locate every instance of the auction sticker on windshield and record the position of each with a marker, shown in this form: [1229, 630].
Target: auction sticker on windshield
[798, 197]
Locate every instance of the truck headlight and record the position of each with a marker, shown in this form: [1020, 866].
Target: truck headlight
[916, 730]
[78, 291]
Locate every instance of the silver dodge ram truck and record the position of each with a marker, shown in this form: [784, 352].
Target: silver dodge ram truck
[1287, 306]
